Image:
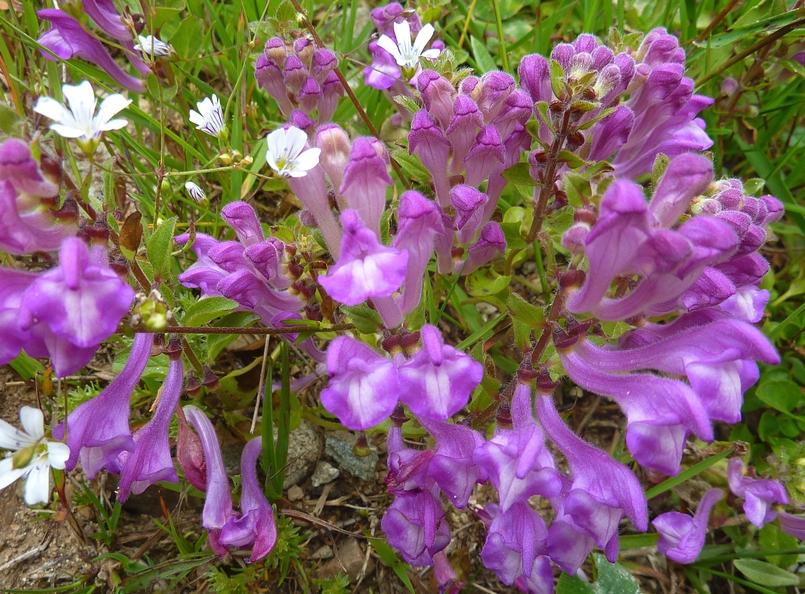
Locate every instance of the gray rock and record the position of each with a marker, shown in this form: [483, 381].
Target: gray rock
[339, 446]
[295, 493]
[324, 473]
[325, 552]
[348, 559]
[304, 448]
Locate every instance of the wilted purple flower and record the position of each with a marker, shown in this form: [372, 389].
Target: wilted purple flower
[98, 430]
[67, 38]
[256, 525]
[682, 537]
[363, 387]
[758, 494]
[151, 460]
[366, 268]
[75, 306]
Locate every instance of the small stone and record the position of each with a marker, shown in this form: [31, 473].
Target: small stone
[324, 473]
[348, 558]
[339, 446]
[295, 493]
[304, 448]
[324, 552]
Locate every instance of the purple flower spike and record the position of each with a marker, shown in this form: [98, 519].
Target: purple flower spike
[331, 90]
[151, 460]
[67, 39]
[487, 152]
[18, 166]
[437, 382]
[269, 78]
[363, 386]
[256, 524]
[517, 108]
[419, 223]
[611, 133]
[76, 306]
[242, 218]
[495, 87]
[365, 182]
[335, 147]
[758, 494]
[366, 268]
[514, 541]
[309, 95]
[535, 77]
[603, 490]
[428, 142]
[322, 63]
[294, 73]
[491, 242]
[687, 176]
[516, 460]
[218, 500]
[415, 526]
[682, 537]
[452, 466]
[469, 204]
[98, 430]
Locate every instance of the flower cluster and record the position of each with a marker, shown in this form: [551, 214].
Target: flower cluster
[301, 78]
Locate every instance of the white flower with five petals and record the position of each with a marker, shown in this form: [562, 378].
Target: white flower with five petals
[209, 118]
[33, 455]
[77, 119]
[287, 155]
[404, 52]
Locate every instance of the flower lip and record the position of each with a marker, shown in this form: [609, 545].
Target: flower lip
[287, 154]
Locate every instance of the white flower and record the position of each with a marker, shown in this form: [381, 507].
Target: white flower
[153, 47]
[286, 154]
[406, 54]
[196, 193]
[33, 456]
[210, 119]
[78, 119]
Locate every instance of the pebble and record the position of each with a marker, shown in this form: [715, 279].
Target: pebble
[304, 448]
[348, 559]
[325, 552]
[324, 473]
[339, 446]
[295, 493]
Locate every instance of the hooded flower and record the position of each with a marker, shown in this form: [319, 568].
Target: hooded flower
[758, 494]
[682, 537]
[98, 430]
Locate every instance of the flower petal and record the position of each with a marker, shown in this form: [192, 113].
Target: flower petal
[9, 474]
[387, 43]
[308, 159]
[50, 108]
[423, 37]
[33, 421]
[58, 453]
[295, 141]
[37, 488]
[110, 107]
[81, 101]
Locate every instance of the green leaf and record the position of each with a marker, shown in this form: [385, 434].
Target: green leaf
[771, 538]
[572, 160]
[578, 189]
[26, 366]
[366, 319]
[411, 166]
[783, 395]
[519, 174]
[613, 578]
[9, 119]
[163, 13]
[160, 246]
[485, 282]
[766, 574]
[208, 309]
[408, 103]
[189, 37]
[484, 60]
[522, 311]
[286, 14]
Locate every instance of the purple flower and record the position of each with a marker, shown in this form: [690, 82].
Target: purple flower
[256, 525]
[98, 430]
[490, 242]
[793, 525]
[75, 306]
[365, 181]
[415, 526]
[218, 501]
[365, 268]
[516, 460]
[67, 39]
[682, 537]
[190, 452]
[452, 465]
[151, 461]
[514, 543]
[363, 387]
[429, 143]
[437, 381]
[603, 490]
[13, 284]
[758, 494]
